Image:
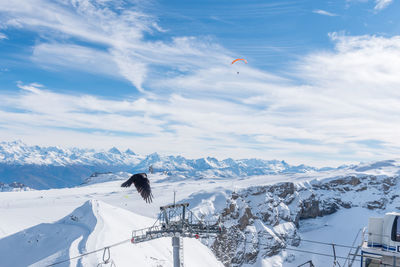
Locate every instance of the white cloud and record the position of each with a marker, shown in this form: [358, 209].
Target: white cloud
[325, 13]
[369, 61]
[3, 36]
[382, 4]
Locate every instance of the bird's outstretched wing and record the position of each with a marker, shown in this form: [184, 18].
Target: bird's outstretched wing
[128, 183]
[142, 185]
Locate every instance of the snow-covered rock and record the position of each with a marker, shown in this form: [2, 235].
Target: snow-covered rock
[260, 221]
[13, 187]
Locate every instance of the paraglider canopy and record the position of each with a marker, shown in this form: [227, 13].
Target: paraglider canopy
[245, 61]
[239, 59]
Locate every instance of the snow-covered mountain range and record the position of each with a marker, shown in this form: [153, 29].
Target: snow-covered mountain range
[54, 167]
[18, 153]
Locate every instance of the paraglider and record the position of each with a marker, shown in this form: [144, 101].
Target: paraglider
[239, 59]
[142, 185]
[245, 61]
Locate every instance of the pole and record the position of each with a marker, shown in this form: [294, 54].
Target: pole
[175, 245]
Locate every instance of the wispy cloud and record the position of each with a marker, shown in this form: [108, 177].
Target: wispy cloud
[379, 4]
[3, 36]
[382, 4]
[325, 13]
[77, 57]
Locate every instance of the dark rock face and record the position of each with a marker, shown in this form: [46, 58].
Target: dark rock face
[245, 220]
[341, 184]
[225, 246]
[260, 221]
[309, 208]
[13, 187]
[376, 204]
[17, 185]
[282, 189]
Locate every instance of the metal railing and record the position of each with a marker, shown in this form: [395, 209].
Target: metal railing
[176, 221]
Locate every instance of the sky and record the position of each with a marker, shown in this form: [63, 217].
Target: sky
[320, 87]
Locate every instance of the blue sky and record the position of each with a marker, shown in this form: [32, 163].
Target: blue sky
[320, 87]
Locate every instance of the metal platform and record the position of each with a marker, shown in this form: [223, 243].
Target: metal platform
[177, 221]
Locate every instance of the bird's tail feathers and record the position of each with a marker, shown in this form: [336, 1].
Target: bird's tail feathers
[149, 199]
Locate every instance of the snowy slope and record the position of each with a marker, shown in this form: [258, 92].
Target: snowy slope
[106, 177]
[91, 226]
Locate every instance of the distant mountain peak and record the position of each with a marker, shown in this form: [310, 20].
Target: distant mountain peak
[115, 150]
[154, 156]
[129, 152]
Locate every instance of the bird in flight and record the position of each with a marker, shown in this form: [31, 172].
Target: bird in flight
[142, 185]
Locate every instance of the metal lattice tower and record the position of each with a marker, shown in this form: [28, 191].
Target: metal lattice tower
[177, 221]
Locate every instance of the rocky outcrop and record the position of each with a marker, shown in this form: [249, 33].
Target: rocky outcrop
[260, 221]
[12, 187]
